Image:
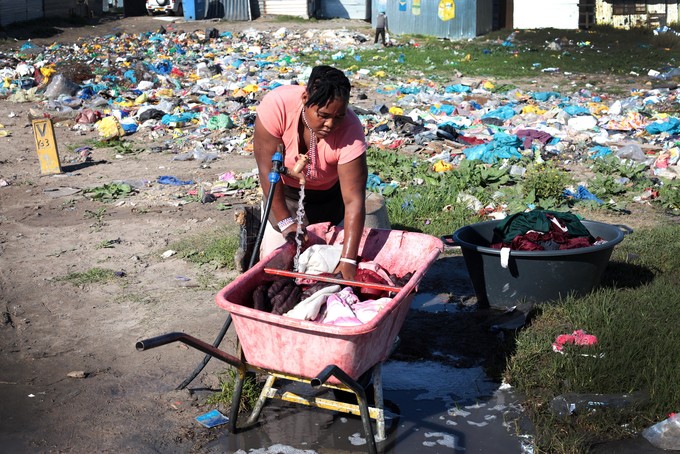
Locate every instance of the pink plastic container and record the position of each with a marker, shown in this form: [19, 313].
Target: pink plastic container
[303, 348]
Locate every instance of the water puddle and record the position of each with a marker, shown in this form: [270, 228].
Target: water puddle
[430, 408]
[434, 303]
[438, 397]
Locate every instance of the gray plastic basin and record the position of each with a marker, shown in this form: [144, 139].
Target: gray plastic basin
[533, 276]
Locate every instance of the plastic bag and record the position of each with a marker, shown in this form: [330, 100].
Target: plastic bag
[665, 434]
[387, 37]
[60, 85]
[110, 127]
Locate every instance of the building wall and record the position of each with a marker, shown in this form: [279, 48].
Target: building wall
[531, 14]
[666, 11]
[343, 9]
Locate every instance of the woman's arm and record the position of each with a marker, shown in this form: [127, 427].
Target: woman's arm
[353, 177]
[264, 146]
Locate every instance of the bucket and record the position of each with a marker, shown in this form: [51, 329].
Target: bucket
[533, 276]
[376, 212]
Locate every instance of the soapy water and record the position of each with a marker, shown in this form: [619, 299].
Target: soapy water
[299, 234]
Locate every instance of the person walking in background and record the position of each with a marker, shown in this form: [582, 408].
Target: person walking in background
[381, 27]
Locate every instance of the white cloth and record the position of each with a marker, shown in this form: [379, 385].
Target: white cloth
[320, 258]
[309, 308]
[505, 257]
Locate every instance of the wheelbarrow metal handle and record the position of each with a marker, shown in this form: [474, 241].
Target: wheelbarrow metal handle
[191, 341]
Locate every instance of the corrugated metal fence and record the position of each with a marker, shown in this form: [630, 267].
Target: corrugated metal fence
[459, 19]
[18, 11]
[236, 10]
[299, 8]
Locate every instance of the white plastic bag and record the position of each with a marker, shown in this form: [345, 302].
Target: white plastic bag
[665, 434]
[387, 37]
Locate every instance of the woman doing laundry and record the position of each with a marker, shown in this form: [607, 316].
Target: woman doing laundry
[316, 126]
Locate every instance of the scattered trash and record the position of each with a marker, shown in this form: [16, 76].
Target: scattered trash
[173, 180]
[574, 403]
[578, 337]
[200, 103]
[77, 374]
[212, 419]
[665, 434]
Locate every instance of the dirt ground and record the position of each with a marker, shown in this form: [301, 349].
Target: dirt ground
[70, 377]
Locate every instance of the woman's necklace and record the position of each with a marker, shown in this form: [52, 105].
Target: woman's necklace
[311, 151]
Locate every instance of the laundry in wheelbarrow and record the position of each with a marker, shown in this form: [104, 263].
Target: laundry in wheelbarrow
[345, 309]
[283, 295]
[308, 308]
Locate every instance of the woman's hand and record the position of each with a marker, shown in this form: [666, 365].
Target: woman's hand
[348, 270]
[290, 232]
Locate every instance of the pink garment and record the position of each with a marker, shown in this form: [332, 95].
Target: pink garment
[345, 309]
[578, 337]
[280, 111]
[339, 309]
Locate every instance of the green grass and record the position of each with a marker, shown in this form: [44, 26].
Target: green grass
[91, 276]
[602, 50]
[216, 249]
[635, 319]
[249, 395]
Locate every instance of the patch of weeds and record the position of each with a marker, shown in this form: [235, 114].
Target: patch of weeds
[192, 198]
[544, 185]
[96, 143]
[207, 281]
[216, 248]
[391, 166]
[612, 165]
[666, 41]
[108, 244]
[669, 196]
[603, 186]
[98, 216]
[121, 147]
[68, 204]
[431, 210]
[287, 18]
[91, 276]
[473, 174]
[109, 192]
[249, 395]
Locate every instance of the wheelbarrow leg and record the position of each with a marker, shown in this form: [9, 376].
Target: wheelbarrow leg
[257, 409]
[341, 375]
[236, 400]
[379, 401]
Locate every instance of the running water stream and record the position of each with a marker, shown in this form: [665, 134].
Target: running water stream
[299, 234]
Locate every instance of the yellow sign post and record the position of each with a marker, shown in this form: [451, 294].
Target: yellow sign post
[46, 145]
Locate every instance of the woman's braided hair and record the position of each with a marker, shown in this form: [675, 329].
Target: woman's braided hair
[326, 84]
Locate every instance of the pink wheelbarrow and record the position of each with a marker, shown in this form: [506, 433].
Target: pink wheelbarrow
[318, 354]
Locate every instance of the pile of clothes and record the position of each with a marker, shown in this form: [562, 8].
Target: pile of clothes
[542, 230]
[324, 302]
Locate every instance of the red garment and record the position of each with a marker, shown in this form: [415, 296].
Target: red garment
[536, 241]
[371, 277]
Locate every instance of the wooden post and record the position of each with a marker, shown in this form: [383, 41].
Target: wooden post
[46, 146]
